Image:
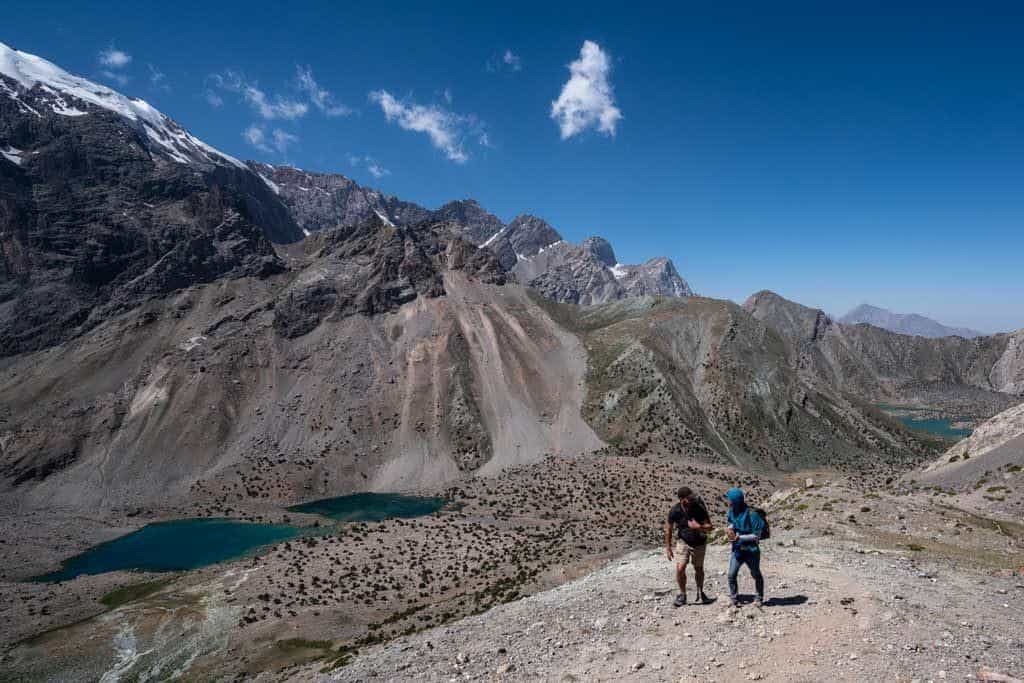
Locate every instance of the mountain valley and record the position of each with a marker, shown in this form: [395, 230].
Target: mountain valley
[185, 335]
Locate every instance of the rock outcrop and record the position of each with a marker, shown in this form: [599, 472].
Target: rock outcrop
[879, 365]
[326, 201]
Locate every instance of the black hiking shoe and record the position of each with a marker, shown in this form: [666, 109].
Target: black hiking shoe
[734, 600]
[680, 600]
[703, 598]
[759, 602]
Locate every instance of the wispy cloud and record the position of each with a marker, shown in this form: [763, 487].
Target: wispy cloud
[113, 58]
[506, 61]
[119, 78]
[158, 79]
[321, 98]
[270, 108]
[445, 129]
[587, 99]
[511, 60]
[277, 140]
[213, 99]
[371, 164]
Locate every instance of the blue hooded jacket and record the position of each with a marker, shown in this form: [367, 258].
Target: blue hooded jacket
[745, 522]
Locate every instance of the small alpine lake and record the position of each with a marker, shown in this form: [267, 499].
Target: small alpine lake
[926, 420]
[370, 507]
[173, 546]
[184, 544]
[937, 426]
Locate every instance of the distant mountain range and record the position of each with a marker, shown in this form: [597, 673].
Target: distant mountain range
[905, 323]
[528, 247]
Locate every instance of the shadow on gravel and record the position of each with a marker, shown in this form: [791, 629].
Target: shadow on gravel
[786, 602]
[790, 601]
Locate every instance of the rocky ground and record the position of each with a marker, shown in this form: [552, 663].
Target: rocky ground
[526, 530]
[904, 591]
[548, 572]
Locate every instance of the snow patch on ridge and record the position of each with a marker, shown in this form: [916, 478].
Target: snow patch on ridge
[543, 249]
[384, 218]
[56, 86]
[12, 155]
[270, 183]
[619, 271]
[490, 240]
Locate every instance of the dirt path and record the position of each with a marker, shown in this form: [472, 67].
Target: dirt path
[835, 612]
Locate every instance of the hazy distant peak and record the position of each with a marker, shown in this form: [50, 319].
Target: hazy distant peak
[904, 323]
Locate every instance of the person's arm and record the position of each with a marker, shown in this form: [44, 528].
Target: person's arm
[668, 539]
[701, 526]
[756, 528]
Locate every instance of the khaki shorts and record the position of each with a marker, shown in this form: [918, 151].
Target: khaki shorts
[684, 554]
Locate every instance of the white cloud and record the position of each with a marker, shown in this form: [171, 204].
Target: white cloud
[114, 58]
[120, 79]
[214, 99]
[278, 140]
[444, 128]
[268, 108]
[587, 100]
[511, 60]
[321, 99]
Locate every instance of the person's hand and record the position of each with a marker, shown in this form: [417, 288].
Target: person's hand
[694, 524]
[733, 535]
[668, 552]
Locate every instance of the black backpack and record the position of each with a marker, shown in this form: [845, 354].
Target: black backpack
[767, 533]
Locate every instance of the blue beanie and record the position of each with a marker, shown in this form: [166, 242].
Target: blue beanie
[735, 496]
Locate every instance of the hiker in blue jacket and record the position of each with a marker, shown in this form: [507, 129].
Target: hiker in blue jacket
[745, 529]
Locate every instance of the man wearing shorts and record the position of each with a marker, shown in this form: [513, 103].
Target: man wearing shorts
[690, 518]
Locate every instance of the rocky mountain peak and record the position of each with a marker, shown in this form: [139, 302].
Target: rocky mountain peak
[478, 225]
[523, 238]
[601, 249]
[656, 276]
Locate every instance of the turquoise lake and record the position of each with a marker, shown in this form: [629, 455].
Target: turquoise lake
[173, 546]
[193, 543]
[938, 427]
[370, 507]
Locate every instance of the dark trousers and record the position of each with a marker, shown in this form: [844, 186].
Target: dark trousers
[751, 558]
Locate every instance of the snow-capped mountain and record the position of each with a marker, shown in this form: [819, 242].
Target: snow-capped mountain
[39, 87]
[105, 203]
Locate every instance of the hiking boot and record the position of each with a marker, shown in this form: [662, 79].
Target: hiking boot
[759, 602]
[703, 598]
[734, 600]
[680, 600]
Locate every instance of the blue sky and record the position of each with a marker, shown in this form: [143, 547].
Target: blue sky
[836, 156]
